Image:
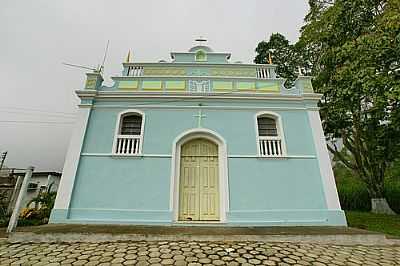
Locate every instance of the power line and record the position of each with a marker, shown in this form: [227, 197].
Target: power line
[34, 122]
[37, 110]
[44, 114]
[54, 113]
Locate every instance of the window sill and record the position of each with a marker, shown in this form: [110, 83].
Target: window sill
[273, 157]
[287, 157]
[133, 156]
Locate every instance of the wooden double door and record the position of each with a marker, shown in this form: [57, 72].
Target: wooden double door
[199, 181]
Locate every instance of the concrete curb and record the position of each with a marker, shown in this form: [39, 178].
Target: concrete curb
[361, 239]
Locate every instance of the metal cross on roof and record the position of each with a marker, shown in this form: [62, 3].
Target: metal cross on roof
[200, 40]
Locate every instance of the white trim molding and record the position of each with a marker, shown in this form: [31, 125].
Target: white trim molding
[279, 126]
[170, 156]
[210, 107]
[325, 166]
[118, 129]
[72, 160]
[194, 64]
[222, 162]
[212, 95]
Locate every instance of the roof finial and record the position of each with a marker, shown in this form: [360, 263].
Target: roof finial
[269, 59]
[128, 57]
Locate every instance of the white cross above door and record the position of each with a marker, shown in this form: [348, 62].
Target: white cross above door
[200, 117]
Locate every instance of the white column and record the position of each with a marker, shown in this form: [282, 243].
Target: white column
[325, 166]
[14, 217]
[72, 160]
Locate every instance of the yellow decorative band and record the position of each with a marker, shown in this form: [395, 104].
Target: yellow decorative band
[246, 86]
[175, 85]
[268, 87]
[128, 85]
[151, 85]
[164, 71]
[234, 72]
[222, 85]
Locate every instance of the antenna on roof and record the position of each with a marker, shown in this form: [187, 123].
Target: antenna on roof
[104, 58]
[98, 69]
[79, 66]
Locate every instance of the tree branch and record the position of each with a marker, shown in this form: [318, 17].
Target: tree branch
[341, 157]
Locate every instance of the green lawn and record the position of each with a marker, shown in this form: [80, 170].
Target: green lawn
[388, 224]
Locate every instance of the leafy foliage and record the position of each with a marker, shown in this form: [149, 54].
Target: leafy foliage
[352, 47]
[353, 193]
[3, 206]
[44, 203]
[282, 54]
[359, 50]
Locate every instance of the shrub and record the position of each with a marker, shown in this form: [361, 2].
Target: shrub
[353, 193]
[392, 193]
[29, 222]
[44, 203]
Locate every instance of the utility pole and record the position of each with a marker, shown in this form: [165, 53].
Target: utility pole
[2, 158]
[14, 195]
[14, 217]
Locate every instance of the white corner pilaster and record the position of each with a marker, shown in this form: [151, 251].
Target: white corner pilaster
[325, 166]
[72, 160]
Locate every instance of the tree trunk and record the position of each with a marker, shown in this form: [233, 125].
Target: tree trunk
[381, 206]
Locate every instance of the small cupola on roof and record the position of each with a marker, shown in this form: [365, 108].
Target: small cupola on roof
[200, 54]
[204, 48]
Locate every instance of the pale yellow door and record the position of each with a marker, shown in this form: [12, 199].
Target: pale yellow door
[199, 189]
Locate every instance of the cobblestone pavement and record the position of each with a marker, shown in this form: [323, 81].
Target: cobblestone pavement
[196, 253]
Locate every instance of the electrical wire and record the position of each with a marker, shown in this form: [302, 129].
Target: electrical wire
[26, 113]
[34, 122]
[200, 97]
[37, 110]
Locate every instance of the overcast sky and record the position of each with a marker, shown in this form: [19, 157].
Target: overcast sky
[37, 100]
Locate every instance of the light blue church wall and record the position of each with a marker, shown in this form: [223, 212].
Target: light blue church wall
[137, 189]
[121, 188]
[236, 126]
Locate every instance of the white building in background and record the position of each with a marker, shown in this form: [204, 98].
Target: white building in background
[11, 180]
[41, 181]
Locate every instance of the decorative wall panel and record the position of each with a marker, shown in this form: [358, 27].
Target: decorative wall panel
[128, 85]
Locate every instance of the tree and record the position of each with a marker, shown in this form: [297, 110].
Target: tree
[355, 48]
[282, 54]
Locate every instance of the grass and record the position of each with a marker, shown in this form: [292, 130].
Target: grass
[387, 224]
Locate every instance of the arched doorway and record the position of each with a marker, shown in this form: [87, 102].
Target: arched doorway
[216, 139]
[199, 197]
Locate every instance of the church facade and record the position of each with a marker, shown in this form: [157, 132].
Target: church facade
[198, 140]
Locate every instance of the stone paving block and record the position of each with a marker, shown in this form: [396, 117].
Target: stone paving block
[197, 253]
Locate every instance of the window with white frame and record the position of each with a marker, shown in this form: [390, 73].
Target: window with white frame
[129, 137]
[269, 138]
